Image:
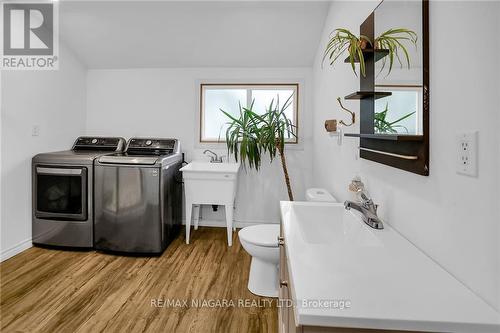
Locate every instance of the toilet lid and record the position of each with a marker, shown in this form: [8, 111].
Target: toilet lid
[262, 234]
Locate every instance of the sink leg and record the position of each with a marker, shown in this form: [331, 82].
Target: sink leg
[196, 215]
[229, 222]
[234, 227]
[189, 207]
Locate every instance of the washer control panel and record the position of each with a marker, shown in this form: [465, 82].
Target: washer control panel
[151, 143]
[99, 143]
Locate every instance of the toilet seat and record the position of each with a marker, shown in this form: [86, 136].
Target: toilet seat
[265, 235]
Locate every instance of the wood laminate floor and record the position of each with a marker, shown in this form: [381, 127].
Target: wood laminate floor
[45, 290]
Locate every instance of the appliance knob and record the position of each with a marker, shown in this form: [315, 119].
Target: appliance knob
[148, 143]
[94, 141]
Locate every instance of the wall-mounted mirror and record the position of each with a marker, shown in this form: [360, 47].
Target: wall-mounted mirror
[394, 100]
[402, 112]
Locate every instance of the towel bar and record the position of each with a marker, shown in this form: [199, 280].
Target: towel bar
[405, 157]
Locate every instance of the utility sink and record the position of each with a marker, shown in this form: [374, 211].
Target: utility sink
[202, 168]
[207, 183]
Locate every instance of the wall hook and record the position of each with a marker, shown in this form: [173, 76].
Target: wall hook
[353, 115]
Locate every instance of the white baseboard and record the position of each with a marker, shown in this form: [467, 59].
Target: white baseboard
[222, 223]
[16, 249]
[26, 244]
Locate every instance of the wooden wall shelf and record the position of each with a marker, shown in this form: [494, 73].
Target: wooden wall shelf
[368, 94]
[368, 53]
[390, 137]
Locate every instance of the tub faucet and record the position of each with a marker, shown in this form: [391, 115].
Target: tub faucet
[368, 209]
[214, 158]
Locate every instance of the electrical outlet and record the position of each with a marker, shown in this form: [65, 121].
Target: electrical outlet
[35, 131]
[467, 154]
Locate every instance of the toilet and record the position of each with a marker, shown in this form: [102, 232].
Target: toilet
[261, 242]
[319, 195]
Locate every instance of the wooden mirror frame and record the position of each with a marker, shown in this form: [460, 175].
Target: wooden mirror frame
[402, 151]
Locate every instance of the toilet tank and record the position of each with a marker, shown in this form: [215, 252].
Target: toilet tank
[319, 195]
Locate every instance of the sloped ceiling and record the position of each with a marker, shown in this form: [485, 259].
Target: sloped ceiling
[140, 34]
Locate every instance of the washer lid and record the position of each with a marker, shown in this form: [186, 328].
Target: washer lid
[262, 234]
[123, 158]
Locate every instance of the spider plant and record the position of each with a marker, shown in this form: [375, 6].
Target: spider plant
[382, 125]
[342, 40]
[253, 134]
[394, 40]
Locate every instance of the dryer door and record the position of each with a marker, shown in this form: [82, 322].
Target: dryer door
[60, 192]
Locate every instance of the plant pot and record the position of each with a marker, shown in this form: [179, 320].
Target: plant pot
[363, 44]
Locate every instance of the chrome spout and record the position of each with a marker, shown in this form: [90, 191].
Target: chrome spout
[368, 211]
[214, 158]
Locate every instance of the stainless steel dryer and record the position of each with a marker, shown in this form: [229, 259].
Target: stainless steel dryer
[62, 213]
[138, 197]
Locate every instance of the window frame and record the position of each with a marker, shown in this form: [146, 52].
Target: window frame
[249, 86]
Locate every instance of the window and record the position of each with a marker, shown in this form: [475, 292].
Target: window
[214, 97]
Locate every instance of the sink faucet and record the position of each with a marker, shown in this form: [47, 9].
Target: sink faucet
[368, 210]
[214, 158]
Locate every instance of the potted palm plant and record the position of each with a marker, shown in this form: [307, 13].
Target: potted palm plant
[384, 126]
[253, 134]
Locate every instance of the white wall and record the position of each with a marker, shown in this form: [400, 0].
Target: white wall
[53, 100]
[454, 219]
[497, 187]
[165, 103]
